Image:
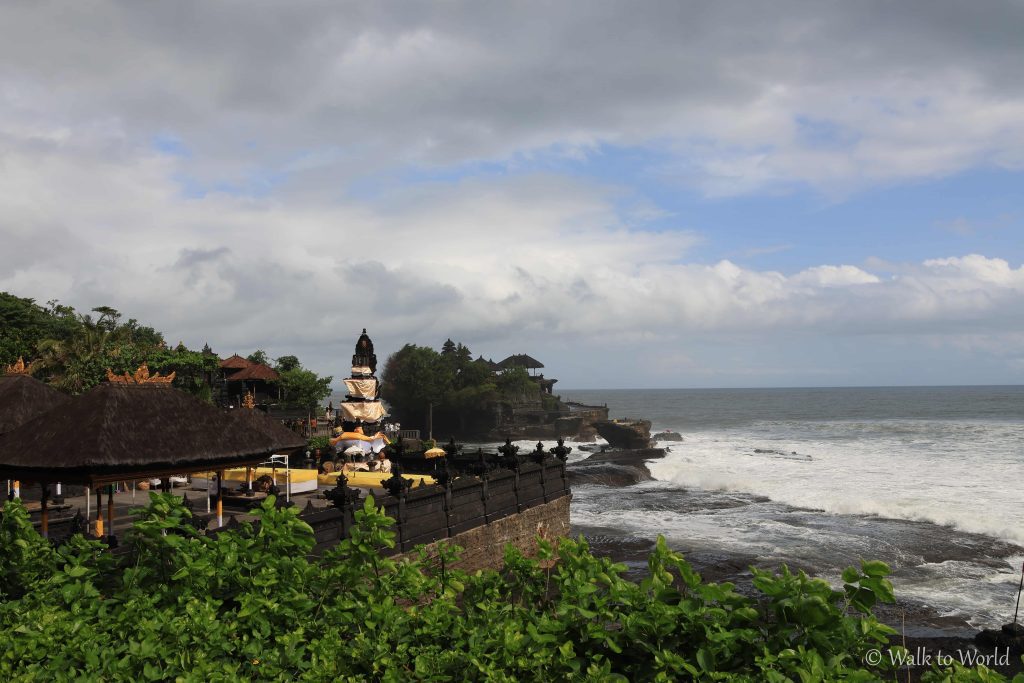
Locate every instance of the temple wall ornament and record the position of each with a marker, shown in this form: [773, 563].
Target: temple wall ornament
[141, 376]
[20, 368]
[249, 401]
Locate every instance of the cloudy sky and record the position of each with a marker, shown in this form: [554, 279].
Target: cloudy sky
[639, 194]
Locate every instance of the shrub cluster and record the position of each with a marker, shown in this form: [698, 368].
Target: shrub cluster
[249, 603]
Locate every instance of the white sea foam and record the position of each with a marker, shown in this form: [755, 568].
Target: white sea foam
[962, 474]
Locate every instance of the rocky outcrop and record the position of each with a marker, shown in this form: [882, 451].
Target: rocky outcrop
[629, 434]
[615, 467]
[667, 436]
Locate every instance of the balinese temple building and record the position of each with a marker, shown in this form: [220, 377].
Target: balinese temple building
[241, 376]
[362, 405]
[531, 364]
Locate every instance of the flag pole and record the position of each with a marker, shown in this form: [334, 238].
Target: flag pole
[1021, 587]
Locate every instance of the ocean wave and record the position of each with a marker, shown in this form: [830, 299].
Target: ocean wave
[967, 482]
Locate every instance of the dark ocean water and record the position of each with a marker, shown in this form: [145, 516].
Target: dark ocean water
[928, 479]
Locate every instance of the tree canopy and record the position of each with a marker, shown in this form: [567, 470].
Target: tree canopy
[417, 379]
[301, 388]
[72, 351]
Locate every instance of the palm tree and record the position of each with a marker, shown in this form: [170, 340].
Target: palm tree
[79, 362]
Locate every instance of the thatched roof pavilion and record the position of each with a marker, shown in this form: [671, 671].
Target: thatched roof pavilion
[119, 432]
[235, 362]
[520, 360]
[257, 421]
[255, 371]
[23, 398]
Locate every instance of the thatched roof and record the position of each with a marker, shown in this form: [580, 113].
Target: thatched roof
[23, 398]
[488, 363]
[235, 362]
[118, 432]
[268, 427]
[255, 371]
[520, 360]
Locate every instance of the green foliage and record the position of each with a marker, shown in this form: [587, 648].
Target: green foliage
[249, 604]
[258, 356]
[27, 559]
[23, 324]
[303, 388]
[285, 363]
[194, 369]
[516, 384]
[415, 377]
[321, 442]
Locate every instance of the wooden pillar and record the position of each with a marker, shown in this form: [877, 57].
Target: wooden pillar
[88, 503]
[110, 509]
[99, 512]
[44, 513]
[220, 498]
[248, 479]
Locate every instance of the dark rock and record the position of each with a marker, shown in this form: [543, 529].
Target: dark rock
[1010, 636]
[635, 456]
[614, 467]
[625, 433]
[607, 474]
[568, 426]
[667, 436]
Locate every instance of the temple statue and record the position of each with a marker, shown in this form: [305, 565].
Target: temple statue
[362, 410]
[364, 356]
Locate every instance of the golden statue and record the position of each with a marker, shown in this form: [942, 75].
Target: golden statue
[141, 376]
[20, 368]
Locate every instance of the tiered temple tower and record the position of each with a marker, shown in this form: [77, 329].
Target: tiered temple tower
[362, 405]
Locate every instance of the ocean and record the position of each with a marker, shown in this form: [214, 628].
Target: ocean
[927, 479]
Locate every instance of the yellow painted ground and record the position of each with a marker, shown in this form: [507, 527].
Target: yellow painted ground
[370, 479]
[238, 474]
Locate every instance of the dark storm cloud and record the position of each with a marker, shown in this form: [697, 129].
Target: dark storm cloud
[253, 85]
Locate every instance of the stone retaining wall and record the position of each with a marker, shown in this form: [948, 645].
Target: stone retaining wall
[484, 547]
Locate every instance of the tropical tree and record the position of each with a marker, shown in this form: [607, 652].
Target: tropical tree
[79, 362]
[258, 356]
[286, 363]
[22, 325]
[415, 380]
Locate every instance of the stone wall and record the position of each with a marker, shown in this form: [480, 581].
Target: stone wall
[484, 546]
[467, 504]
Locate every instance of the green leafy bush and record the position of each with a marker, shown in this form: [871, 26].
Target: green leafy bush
[321, 442]
[249, 604]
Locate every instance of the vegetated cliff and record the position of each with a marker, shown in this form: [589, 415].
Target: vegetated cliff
[452, 395]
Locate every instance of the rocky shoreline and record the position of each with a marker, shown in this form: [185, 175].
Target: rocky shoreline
[917, 624]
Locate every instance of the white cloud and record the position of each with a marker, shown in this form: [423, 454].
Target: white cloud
[257, 231]
[745, 96]
[502, 263]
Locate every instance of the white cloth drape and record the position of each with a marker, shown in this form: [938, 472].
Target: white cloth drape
[365, 412]
[372, 446]
[361, 388]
